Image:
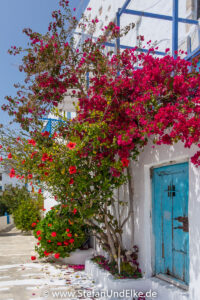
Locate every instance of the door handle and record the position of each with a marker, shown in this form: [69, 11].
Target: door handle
[185, 222]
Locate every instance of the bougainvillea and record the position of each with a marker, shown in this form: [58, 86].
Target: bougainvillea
[87, 159]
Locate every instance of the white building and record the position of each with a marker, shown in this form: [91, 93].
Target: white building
[157, 30]
[166, 183]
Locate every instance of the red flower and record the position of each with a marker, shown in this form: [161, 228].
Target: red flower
[72, 169]
[33, 257]
[55, 135]
[71, 241]
[57, 255]
[49, 241]
[46, 253]
[53, 234]
[68, 230]
[39, 191]
[71, 181]
[39, 239]
[38, 243]
[0, 147]
[125, 162]
[41, 165]
[32, 142]
[1, 158]
[33, 224]
[59, 243]
[33, 154]
[69, 235]
[71, 145]
[66, 243]
[9, 156]
[30, 176]
[115, 173]
[49, 225]
[12, 173]
[46, 133]
[38, 232]
[50, 158]
[45, 157]
[74, 210]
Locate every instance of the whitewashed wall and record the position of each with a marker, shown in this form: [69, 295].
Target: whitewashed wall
[158, 31]
[49, 200]
[143, 232]
[143, 206]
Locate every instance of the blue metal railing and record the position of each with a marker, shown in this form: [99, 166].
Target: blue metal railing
[174, 19]
[53, 124]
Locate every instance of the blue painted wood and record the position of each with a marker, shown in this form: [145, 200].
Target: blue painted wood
[87, 80]
[8, 217]
[158, 16]
[175, 29]
[198, 66]
[69, 115]
[121, 10]
[171, 242]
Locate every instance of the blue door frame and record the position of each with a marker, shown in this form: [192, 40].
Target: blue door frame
[170, 221]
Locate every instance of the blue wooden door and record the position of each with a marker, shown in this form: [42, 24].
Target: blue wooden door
[170, 221]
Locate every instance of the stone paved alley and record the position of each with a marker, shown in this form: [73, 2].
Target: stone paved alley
[22, 279]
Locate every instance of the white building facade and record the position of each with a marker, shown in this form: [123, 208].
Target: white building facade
[166, 183]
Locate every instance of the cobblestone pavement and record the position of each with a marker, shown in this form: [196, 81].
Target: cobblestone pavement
[22, 279]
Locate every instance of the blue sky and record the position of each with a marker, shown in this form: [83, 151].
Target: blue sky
[14, 16]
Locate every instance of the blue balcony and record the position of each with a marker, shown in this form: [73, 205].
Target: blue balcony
[52, 124]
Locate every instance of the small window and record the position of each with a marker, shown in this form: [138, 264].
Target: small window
[0, 176]
[198, 9]
[1, 188]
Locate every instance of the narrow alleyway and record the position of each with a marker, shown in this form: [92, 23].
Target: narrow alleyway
[22, 279]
